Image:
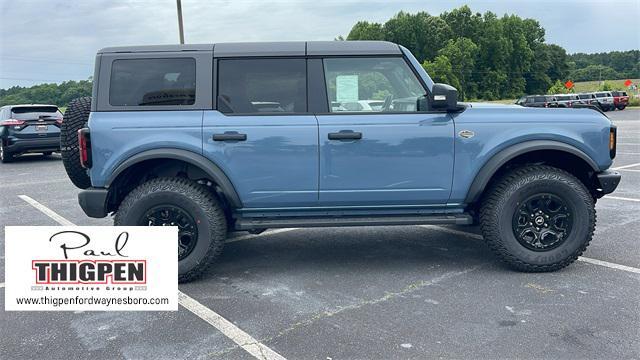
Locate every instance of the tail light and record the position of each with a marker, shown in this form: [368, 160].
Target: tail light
[12, 122]
[84, 147]
[613, 135]
[59, 121]
[546, 105]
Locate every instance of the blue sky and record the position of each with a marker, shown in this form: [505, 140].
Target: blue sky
[56, 40]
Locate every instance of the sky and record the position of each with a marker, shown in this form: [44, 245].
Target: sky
[56, 40]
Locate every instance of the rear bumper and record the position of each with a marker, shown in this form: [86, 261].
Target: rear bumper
[93, 202]
[608, 180]
[16, 145]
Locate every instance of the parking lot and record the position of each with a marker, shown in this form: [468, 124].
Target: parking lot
[345, 293]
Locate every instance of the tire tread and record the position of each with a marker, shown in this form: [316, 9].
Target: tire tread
[502, 189]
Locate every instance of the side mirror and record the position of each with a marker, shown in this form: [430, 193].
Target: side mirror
[444, 97]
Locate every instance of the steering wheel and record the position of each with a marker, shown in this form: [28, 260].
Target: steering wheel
[387, 103]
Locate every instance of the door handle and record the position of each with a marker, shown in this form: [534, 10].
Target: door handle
[229, 136]
[345, 135]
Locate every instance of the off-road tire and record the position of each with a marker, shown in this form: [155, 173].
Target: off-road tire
[75, 118]
[504, 196]
[193, 198]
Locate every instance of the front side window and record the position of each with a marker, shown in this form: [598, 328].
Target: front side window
[256, 86]
[152, 82]
[371, 85]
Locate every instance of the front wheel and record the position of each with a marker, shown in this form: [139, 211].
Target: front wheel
[538, 218]
[201, 222]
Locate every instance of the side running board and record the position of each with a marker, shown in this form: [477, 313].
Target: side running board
[270, 223]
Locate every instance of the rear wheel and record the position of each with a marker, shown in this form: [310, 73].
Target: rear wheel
[75, 118]
[621, 107]
[202, 225]
[5, 156]
[538, 218]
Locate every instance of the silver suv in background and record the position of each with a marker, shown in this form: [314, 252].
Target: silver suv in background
[567, 100]
[605, 100]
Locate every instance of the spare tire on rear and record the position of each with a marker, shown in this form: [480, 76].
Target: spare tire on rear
[75, 118]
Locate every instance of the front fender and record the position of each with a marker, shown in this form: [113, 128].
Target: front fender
[502, 157]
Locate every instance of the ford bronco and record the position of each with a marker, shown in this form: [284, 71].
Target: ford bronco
[251, 136]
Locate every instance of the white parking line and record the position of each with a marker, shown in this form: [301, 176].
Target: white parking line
[609, 264]
[50, 213]
[244, 340]
[620, 198]
[630, 170]
[248, 343]
[1, 285]
[626, 166]
[581, 258]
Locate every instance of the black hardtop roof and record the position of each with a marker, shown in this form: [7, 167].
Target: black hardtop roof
[286, 48]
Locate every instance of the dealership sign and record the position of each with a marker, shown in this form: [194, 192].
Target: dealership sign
[119, 268]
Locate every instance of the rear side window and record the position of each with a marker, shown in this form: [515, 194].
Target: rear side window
[540, 99]
[251, 86]
[152, 82]
[35, 112]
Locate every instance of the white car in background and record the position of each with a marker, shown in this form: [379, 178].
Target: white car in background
[605, 100]
[363, 105]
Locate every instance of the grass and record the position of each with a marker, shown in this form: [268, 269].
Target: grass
[590, 86]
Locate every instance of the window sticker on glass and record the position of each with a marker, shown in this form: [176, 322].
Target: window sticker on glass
[347, 88]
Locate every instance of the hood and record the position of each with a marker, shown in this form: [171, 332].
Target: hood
[490, 105]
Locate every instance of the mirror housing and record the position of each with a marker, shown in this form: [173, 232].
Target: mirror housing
[444, 97]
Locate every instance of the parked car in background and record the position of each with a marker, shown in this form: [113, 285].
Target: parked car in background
[547, 101]
[588, 99]
[605, 100]
[31, 128]
[620, 99]
[567, 100]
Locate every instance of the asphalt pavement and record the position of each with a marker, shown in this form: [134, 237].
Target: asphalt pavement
[355, 293]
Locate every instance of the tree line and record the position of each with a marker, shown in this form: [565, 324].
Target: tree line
[490, 57]
[57, 94]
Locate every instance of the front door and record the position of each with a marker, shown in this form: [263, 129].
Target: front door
[261, 134]
[375, 147]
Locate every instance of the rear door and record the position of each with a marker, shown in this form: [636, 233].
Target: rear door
[36, 122]
[262, 135]
[392, 155]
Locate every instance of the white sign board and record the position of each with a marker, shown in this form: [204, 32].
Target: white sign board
[347, 88]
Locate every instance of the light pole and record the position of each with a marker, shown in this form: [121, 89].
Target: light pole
[179, 3]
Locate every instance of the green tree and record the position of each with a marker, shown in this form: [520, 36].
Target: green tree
[364, 30]
[557, 88]
[462, 54]
[441, 71]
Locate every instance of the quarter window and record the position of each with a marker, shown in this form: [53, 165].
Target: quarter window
[248, 86]
[371, 85]
[152, 82]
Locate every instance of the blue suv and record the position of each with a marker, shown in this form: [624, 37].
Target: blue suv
[251, 136]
